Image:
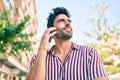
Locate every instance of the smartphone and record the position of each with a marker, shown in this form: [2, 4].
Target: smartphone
[51, 37]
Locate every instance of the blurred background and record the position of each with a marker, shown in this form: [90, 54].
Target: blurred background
[95, 23]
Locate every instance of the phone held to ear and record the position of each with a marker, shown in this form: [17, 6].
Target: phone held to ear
[51, 37]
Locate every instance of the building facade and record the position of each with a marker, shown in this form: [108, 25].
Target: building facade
[19, 9]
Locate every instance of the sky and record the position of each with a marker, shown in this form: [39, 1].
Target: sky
[80, 11]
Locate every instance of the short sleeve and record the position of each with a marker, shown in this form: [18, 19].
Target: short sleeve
[32, 62]
[95, 65]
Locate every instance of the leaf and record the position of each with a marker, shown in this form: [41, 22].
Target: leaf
[27, 18]
[11, 34]
[99, 26]
[104, 21]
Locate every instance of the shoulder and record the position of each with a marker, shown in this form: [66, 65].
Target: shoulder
[83, 47]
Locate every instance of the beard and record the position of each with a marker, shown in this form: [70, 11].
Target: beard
[62, 34]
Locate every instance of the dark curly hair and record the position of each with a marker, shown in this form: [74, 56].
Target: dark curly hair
[56, 11]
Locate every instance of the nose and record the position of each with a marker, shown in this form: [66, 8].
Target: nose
[67, 22]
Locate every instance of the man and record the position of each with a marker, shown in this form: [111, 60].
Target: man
[65, 60]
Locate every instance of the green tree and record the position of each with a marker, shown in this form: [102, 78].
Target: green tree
[13, 40]
[105, 35]
[100, 29]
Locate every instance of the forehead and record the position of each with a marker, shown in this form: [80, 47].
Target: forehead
[61, 16]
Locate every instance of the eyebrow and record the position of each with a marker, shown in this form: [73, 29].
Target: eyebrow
[63, 19]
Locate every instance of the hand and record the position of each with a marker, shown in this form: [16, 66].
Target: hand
[45, 44]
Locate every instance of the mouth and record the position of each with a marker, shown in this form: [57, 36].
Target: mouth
[67, 29]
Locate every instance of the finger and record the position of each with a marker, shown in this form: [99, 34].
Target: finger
[53, 33]
[50, 29]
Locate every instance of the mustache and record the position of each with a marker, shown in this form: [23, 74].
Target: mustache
[65, 27]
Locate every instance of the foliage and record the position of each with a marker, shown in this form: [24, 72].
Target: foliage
[21, 73]
[100, 29]
[112, 69]
[104, 55]
[118, 54]
[13, 40]
[106, 36]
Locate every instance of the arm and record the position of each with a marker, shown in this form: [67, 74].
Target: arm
[101, 78]
[38, 70]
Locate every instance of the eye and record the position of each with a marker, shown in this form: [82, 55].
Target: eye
[69, 20]
[61, 20]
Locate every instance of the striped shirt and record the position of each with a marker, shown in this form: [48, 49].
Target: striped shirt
[81, 63]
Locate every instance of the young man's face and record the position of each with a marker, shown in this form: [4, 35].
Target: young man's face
[63, 25]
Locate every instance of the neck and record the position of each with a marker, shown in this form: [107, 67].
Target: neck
[62, 47]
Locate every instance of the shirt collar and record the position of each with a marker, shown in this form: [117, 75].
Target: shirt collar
[73, 46]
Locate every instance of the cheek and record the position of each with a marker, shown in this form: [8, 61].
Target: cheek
[60, 26]
[59, 30]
